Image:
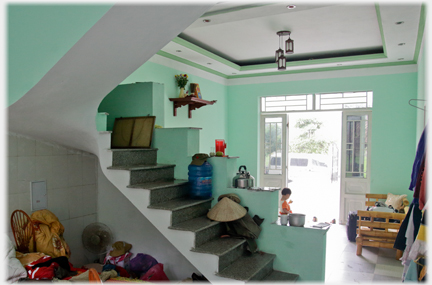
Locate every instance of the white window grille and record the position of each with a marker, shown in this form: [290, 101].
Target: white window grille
[321, 101]
[287, 103]
[346, 100]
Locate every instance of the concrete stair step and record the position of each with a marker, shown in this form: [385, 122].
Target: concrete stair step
[252, 267]
[156, 185]
[279, 276]
[228, 250]
[204, 229]
[161, 191]
[184, 209]
[219, 246]
[195, 225]
[134, 156]
[141, 167]
[140, 174]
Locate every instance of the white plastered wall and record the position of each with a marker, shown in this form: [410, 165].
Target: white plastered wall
[71, 181]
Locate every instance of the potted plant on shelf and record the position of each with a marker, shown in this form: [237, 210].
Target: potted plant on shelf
[181, 80]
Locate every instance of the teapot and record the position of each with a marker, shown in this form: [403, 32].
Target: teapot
[243, 179]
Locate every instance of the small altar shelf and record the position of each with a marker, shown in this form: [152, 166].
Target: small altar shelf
[192, 102]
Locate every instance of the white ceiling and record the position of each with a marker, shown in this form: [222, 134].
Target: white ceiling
[241, 38]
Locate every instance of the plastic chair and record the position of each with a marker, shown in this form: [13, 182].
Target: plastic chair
[94, 276]
[23, 231]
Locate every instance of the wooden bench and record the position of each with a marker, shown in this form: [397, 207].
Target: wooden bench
[377, 229]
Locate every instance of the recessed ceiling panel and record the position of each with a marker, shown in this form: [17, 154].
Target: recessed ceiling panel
[319, 32]
[241, 39]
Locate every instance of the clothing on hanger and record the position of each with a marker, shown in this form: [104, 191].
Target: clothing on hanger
[422, 195]
[417, 160]
[400, 241]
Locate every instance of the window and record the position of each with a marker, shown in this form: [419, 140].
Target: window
[320, 101]
[356, 146]
[287, 103]
[273, 145]
[347, 100]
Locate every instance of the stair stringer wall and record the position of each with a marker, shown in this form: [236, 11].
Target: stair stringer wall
[207, 264]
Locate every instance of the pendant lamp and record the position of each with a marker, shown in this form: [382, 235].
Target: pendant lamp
[289, 49]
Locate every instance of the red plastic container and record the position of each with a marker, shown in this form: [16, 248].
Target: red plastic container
[220, 146]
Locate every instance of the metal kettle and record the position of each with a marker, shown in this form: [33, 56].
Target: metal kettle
[243, 179]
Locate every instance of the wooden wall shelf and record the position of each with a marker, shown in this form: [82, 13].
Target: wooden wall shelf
[192, 102]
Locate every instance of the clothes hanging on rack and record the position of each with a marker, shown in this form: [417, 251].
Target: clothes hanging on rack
[416, 271]
[411, 237]
[423, 189]
[419, 178]
[408, 239]
[419, 247]
[418, 159]
[400, 242]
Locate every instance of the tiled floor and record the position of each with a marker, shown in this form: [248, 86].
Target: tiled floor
[344, 266]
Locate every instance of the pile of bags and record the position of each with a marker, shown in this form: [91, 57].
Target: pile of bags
[142, 266]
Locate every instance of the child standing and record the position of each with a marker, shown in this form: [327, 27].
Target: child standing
[283, 204]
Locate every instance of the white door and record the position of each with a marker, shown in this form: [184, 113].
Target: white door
[355, 166]
[273, 135]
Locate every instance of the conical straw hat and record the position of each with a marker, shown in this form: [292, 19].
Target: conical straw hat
[226, 210]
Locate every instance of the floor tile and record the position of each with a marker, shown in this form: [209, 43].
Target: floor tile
[389, 252]
[366, 256]
[346, 276]
[389, 261]
[374, 265]
[383, 278]
[356, 264]
[388, 270]
[351, 247]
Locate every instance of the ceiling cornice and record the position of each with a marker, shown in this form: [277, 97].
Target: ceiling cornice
[234, 9]
[420, 34]
[322, 69]
[190, 63]
[378, 13]
[205, 52]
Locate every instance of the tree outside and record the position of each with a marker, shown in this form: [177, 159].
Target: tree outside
[309, 140]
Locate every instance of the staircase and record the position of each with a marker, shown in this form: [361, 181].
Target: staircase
[189, 215]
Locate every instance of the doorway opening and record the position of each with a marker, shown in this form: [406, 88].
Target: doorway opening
[313, 163]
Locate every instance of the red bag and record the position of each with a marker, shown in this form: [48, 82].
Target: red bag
[155, 273]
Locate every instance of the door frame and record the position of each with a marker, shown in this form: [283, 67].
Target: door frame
[273, 180]
[356, 199]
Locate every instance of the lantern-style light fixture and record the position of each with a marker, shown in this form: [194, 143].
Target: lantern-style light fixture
[289, 49]
[289, 45]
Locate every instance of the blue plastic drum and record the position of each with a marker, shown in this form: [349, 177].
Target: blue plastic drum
[200, 180]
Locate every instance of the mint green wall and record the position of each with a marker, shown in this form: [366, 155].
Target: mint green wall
[393, 122]
[133, 100]
[39, 35]
[421, 86]
[211, 118]
[176, 146]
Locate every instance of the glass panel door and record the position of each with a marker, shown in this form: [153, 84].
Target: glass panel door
[356, 146]
[273, 154]
[355, 176]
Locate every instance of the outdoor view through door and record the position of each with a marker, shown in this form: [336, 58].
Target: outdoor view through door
[306, 146]
[313, 164]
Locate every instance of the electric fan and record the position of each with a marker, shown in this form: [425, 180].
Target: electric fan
[97, 238]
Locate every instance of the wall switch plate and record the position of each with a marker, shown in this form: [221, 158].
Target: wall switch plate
[38, 195]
